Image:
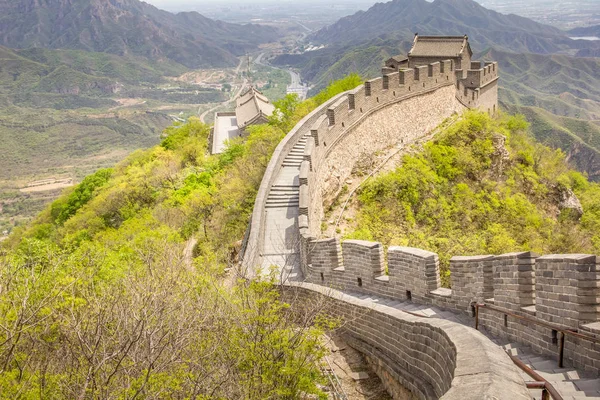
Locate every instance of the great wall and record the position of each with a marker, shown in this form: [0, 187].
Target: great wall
[421, 336]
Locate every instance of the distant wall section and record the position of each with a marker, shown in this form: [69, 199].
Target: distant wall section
[399, 123]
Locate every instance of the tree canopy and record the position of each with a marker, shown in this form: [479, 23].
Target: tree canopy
[100, 299]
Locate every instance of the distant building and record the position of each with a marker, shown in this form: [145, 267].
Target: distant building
[252, 108]
[397, 62]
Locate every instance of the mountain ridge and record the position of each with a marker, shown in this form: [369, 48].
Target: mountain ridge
[449, 17]
[540, 66]
[124, 27]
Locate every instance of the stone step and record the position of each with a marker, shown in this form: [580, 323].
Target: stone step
[272, 200]
[291, 163]
[294, 157]
[285, 187]
[284, 193]
[282, 206]
[283, 201]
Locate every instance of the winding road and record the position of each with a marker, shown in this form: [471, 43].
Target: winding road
[295, 86]
[239, 92]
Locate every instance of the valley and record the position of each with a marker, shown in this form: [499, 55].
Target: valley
[61, 140]
[65, 113]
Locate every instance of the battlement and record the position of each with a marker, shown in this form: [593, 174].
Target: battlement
[563, 289]
[478, 77]
[557, 290]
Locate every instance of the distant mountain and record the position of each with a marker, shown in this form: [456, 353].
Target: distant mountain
[20, 74]
[335, 61]
[587, 31]
[563, 85]
[590, 31]
[73, 79]
[485, 28]
[125, 27]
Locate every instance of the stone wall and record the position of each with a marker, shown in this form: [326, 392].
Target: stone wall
[433, 358]
[427, 88]
[428, 357]
[559, 292]
[398, 123]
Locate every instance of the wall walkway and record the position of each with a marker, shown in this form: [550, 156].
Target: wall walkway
[435, 358]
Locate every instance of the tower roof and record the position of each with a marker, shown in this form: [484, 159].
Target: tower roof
[440, 46]
[250, 106]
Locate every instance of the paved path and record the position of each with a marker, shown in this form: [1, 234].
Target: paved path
[225, 128]
[281, 250]
[281, 244]
[570, 383]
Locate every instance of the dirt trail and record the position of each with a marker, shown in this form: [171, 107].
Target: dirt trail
[188, 252]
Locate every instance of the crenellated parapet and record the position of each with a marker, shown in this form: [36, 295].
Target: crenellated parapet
[559, 291]
[478, 76]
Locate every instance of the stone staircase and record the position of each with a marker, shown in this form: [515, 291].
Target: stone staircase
[283, 196]
[569, 382]
[281, 246]
[285, 192]
[296, 156]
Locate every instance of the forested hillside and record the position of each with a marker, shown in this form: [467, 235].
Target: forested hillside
[482, 186]
[118, 289]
